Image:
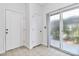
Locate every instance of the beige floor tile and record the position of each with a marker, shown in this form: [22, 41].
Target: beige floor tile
[37, 51]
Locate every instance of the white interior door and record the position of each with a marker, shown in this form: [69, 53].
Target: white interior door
[13, 29]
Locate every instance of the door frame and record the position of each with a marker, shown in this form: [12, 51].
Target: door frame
[6, 9]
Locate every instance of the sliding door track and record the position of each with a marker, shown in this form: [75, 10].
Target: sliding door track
[64, 51]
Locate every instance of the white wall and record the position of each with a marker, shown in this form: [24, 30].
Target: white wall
[34, 24]
[46, 9]
[27, 27]
[14, 6]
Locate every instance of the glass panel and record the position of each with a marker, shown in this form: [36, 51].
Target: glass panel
[71, 31]
[54, 30]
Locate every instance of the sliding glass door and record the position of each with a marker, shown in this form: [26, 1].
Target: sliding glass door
[64, 31]
[71, 31]
[54, 30]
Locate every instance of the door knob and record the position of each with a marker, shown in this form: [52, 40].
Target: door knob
[6, 29]
[6, 32]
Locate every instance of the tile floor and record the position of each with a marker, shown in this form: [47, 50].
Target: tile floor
[37, 51]
[72, 48]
